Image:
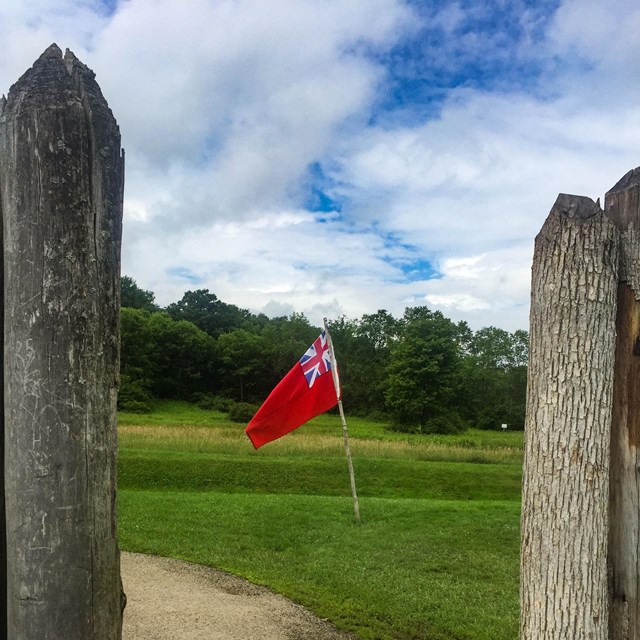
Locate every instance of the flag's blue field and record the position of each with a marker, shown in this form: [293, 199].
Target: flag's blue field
[436, 555]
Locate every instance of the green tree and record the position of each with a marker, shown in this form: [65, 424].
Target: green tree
[424, 373]
[493, 348]
[424, 370]
[345, 343]
[520, 348]
[184, 358]
[494, 374]
[286, 339]
[362, 349]
[206, 311]
[136, 349]
[244, 364]
[379, 329]
[131, 295]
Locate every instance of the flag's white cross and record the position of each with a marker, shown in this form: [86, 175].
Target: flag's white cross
[316, 361]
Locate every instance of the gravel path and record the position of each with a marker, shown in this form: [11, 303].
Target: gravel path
[173, 600]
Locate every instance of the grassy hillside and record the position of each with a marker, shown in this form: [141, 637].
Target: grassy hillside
[436, 555]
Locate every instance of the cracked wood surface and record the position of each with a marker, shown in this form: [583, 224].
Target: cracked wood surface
[61, 185]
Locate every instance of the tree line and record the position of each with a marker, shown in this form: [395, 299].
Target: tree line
[421, 372]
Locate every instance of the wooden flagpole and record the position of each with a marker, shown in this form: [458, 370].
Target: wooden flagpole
[345, 433]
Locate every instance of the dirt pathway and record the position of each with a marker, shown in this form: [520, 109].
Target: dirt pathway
[174, 600]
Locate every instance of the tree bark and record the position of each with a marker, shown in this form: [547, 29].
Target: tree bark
[3, 520]
[61, 181]
[622, 205]
[563, 589]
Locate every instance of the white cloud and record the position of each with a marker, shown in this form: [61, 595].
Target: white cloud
[475, 186]
[490, 158]
[223, 108]
[604, 33]
[458, 301]
[597, 42]
[28, 27]
[233, 100]
[487, 289]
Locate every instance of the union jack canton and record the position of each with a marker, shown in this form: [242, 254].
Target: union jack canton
[316, 361]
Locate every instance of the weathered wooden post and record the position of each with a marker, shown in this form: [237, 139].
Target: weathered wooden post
[61, 186]
[622, 206]
[563, 592]
[580, 560]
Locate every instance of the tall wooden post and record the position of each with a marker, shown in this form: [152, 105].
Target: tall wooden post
[563, 591]
[61, 185]
[622, 206]
[3, 520]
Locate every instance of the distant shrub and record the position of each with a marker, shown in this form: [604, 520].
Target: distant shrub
[218, 403]
[135, 406]
[209, 402]
[404, 428]
[133, 394]
[377, 416]
[242, 411]
[445, 423]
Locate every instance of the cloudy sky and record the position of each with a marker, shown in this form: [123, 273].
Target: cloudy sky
[342, 156]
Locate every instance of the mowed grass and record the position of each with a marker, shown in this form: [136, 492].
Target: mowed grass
[436, 554]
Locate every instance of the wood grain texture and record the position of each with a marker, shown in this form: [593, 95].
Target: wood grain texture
[61, 185]
[622, 206]
[563, 590]
[3, 520]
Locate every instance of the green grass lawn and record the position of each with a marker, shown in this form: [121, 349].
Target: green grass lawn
[436, 555]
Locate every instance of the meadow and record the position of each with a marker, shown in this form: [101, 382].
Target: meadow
[435, 556]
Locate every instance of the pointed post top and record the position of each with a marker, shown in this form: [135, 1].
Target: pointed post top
[629, 179]
[568, 209]
[622, 203]
[45, 82]
[55, 79]
[576, 206]
[52, 51]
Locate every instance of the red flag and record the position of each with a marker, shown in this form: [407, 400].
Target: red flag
[305, 392]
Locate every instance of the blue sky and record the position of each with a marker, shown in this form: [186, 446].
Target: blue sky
[342, 156]
[486, 46]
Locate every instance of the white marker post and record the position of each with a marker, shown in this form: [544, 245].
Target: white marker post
[345, 433]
